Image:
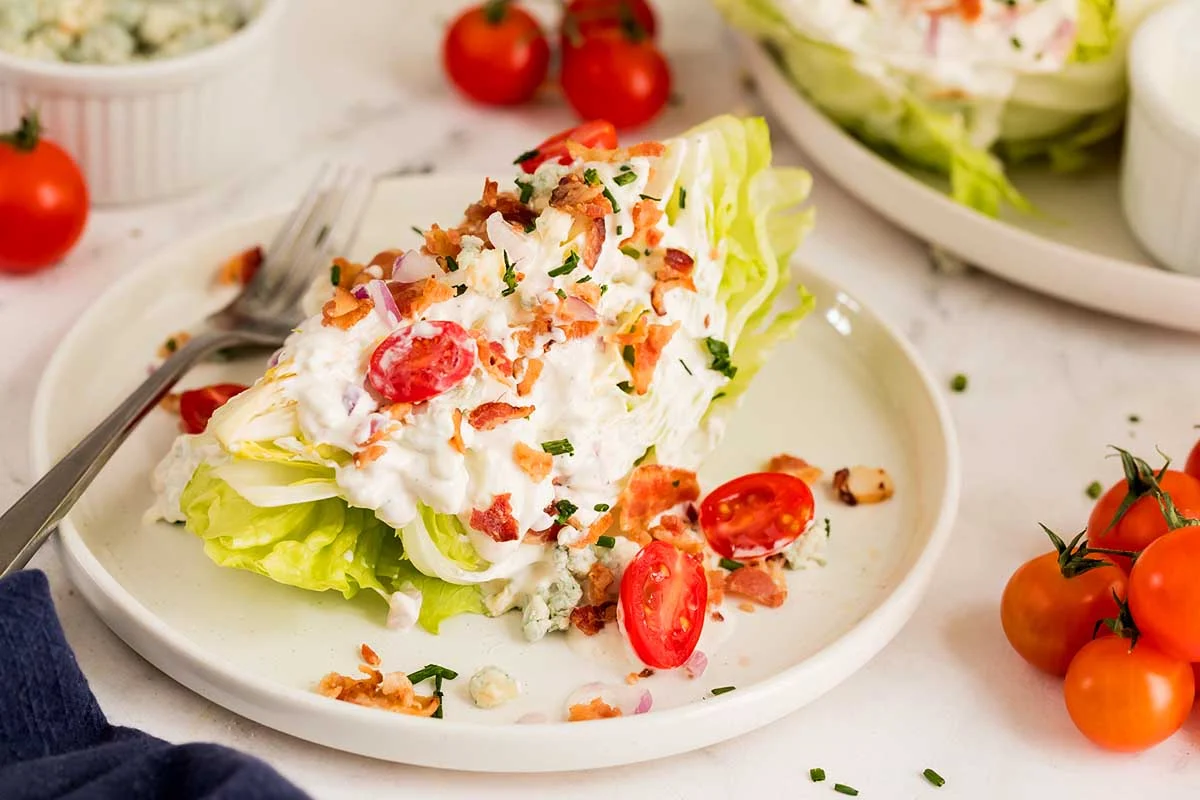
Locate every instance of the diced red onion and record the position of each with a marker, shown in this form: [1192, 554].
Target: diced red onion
[533, 718]
[576, 308]
[351, 396]
[360, 292]
[414, 266]
[695, 666]
[274, 359]
[385, 304]
[645, 702]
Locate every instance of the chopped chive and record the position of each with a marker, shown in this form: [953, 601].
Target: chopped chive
[718, 395]
[528, 154]
[606, 541]
[958, 383]
[616, 207]
[720, 690]
[451, 264]
[335, 274]
[526, 188]
[626, 387]
[827, 531]
[1134, 418]
[530, 227]
[561, 294]
[602, 507]
[620, 230]
[649, 197]
[816, 774]
[1016, 43]
[624, 178]
[591, 176]
[731, 565]
[584, 279]
[631, 251]
[720, 353]
[603, 288]
[626, 168]
[321, 234]
[171, 345]
[628, 354]
[431, 670]
[509, 277]
[682, 198]
[559, 447]
[441, 698]
[418, 231]
[842, 788]
[565, 509]
[459, 289]
[568, 266]
[1094, 489]
[934, 778]
[685, 366]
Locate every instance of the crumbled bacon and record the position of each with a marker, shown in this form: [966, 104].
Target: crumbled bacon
[590, 619]
[580, 329]
[384, 262]
[716, 586]
[596, 709]
[674, 272]
[369, 656]
[600, 580]
[545, 535]
[442, 243]
[532, 370]
[593, 242]
[344, 310]
[507, 204]
[577, 197]
[415, 297]
[456, 440]
[173, 343]
[653, 489]
[762, 582]
[169, 403]
[647, 342]
[368, 454]
[856, 485]
[489, 416]
[595, 530]
[646, 215]
[615, 156]
[675, 531]
[390, 691]
[397, 411]
[496, 520]
[526, 336]
[534, 463]
[492, 357]
[241, 268]
[587, 292]
[796, 467]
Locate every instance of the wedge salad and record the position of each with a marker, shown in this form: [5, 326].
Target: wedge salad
[963, 88]
[510, 417]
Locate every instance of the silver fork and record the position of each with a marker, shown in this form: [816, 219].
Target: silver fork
[262, 315]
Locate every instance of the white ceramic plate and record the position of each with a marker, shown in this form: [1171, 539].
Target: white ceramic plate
[1078, 248]
[847, 390]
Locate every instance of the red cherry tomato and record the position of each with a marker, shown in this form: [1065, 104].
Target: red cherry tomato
[597, 133]
[756, 515]
[1127, 700]
[408, 367]
[1193, 463]
[496, 53]
[1164, 593]
[1144, 521]
[584, 19]
[197, 406]
[616, 78]
[663, 602]
[43, 200]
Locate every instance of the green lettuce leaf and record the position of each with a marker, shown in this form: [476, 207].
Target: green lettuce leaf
[319, 545]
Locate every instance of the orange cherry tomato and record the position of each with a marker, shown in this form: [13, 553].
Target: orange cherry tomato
[1143, 522]
[1164, 593]
[1193, 463]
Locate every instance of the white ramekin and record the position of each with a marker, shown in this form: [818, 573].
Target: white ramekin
[1160, 172]
[155, 129]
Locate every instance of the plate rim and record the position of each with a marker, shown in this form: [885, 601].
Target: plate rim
[272, 705]
[962, 230]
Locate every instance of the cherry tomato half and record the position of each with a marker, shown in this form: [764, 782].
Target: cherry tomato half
[496, 53]
[597, 133]
[1164, 593]
[196, 406]
[43, 200]
[616, 78]
[421, 361]
[1144, 521]
[1127, 700]
[756, 515]
[583, 19]
[1193, 463]
[663, 603]
[1049, 617]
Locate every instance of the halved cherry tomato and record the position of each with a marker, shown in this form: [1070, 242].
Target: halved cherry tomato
[1193, 463]
[1143, 522]
[597, 133]
[421, 361]
[583, 19]
[196, 406]
[1164, 592]
[623, 79]
[756, 515]
[663, 603]
[496, 53]
[1127, 699]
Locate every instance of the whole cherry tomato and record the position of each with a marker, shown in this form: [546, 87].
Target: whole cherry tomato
[756, 515]
[616, 77]
[1164, 593]
[496, 53]
[43, 200]
[663, 603]
[583, 19]
[1193, 463]
[196, 406]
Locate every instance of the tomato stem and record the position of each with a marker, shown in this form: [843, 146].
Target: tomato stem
[27, 135]
[1122, 625]
[1073, 557]
[494, 11]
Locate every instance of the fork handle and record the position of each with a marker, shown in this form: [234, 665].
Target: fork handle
[26, 525]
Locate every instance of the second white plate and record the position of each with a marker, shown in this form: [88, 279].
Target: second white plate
[1078, 248]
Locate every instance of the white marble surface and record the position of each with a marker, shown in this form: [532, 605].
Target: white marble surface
[1050, 386]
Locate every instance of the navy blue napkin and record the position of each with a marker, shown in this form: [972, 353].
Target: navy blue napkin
[55, 743]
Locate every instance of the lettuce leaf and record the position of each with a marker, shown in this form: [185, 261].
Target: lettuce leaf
[319, 545]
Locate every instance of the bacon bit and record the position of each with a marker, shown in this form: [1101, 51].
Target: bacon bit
[496, 520]
[526, 337]
[577, 197]
[241, 268]
[386, 262]
[492, 357]
[533, 369]
[797, 467]
[595, 530]
[593, 243]
[348, 272]
[645, 149]
[456, 441]
[490, 416]
[544, 536]
[170, 402]
[648, 342]
[653, 489]
[370, 656]
[600, 580]
[590, 619]
[717, 616]
[856, 485]
[969, 10]
[674, 272]
[507, 204]
[344, 310]
[597, 709]
[646, 215]
[534, 463]
[762, 582]
[442, 243]
[414, 298]
[746, 606]
[716, 586]
[368, 454]
[173, 343]
[397, 411]
[580, 329]
[587, 292]
[676, 532]
[391, 692]
[632, 678]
